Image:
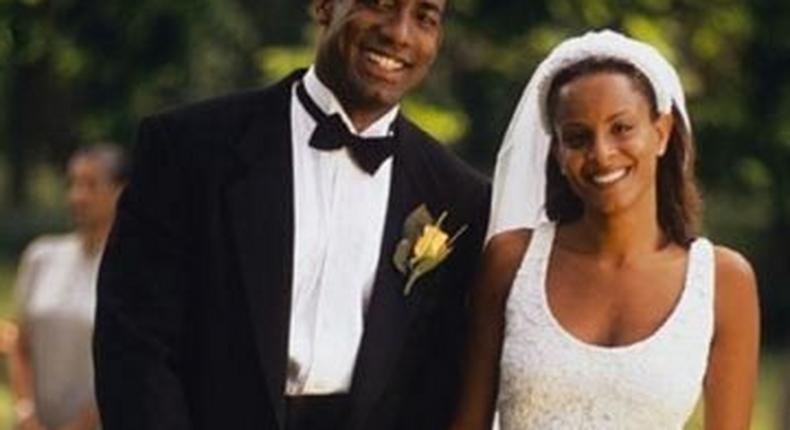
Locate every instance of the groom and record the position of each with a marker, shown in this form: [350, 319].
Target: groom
[254, 278]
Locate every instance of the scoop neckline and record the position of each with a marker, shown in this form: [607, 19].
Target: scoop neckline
[656, 333]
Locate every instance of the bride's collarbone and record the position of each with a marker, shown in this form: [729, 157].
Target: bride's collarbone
[614, 306]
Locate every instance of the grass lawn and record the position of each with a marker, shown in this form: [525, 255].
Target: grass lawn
[764, 414]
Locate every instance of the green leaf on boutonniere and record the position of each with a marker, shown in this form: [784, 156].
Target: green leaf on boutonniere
[419, 218]
[401, 256]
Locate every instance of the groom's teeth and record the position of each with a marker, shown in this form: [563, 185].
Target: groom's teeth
[387, 63]
[611, 177]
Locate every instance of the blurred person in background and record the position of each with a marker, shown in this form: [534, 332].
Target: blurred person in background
[8, 336]
[51, 369]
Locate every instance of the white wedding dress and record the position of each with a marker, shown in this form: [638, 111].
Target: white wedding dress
[552, 380]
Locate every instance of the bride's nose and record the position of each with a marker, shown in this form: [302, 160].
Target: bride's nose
[601, 148]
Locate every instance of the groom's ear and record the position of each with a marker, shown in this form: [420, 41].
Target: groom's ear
[322, 11]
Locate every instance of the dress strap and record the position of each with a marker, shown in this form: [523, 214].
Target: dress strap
[541, 242]
[702, 269]
[535, 258]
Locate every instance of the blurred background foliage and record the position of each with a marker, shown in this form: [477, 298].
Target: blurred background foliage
[80, 71]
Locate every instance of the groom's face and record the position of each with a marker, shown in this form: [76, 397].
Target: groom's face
[371, 52]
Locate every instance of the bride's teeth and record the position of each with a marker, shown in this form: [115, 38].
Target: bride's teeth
[386, 62]
[610, 177]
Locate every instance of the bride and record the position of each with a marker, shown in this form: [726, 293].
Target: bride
[614, 313]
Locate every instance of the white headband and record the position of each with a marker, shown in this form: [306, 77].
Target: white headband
[519, 192]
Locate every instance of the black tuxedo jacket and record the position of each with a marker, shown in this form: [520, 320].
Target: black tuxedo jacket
[195, 284]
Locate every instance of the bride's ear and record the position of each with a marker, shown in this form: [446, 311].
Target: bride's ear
[663, 126]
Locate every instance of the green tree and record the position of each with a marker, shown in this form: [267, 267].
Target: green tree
[76, 71]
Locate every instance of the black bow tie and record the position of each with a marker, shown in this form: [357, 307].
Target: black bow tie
[331, 133]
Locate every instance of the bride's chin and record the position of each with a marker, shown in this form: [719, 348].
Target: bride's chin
[608, 208]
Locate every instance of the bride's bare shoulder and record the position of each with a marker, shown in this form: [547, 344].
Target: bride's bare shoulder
[501, 259]
[507, 248]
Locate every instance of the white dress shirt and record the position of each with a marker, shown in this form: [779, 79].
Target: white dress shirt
[339, 223]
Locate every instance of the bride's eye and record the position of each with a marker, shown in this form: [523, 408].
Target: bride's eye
[575, 139]
[621, 128]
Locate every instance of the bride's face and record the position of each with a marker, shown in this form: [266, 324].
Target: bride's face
[607, 141]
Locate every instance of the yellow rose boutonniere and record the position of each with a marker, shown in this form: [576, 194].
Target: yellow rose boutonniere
[424, 246]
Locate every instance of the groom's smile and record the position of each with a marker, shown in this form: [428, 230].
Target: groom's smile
[383, 61]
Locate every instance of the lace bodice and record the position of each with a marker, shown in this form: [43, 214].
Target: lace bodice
[552, 380]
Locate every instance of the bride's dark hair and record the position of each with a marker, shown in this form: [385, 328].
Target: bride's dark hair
[679, 203]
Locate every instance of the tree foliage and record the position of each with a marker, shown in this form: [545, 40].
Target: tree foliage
[77, 71]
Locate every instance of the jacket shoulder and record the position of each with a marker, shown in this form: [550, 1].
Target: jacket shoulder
[448, 166]
[202, 128]
[227, 112]
[455, 185]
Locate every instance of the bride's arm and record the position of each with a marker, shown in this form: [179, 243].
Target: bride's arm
[732, 368]
[501, 259]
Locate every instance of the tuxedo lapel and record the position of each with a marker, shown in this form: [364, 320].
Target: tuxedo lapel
[389, 313]
[260, 204]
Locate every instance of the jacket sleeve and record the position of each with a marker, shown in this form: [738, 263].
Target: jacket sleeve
[141, 293]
